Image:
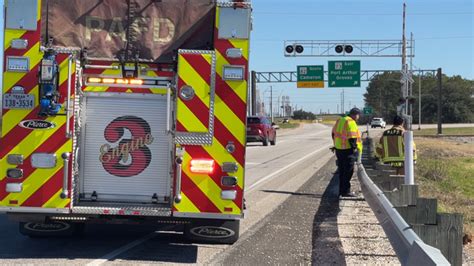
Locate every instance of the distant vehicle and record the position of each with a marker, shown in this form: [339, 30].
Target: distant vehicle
[260, 129]
[378, 122]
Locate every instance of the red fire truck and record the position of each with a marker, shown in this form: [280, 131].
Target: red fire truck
[124, 111]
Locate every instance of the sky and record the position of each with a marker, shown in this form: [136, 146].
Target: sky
[443, 32]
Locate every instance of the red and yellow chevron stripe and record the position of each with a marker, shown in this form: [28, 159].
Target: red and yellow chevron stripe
[41, 187]
[201, 194]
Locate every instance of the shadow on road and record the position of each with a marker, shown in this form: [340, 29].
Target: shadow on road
[327, 246]
[291, 193]
[99, 240]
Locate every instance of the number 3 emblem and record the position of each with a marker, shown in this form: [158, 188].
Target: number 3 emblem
[131, 156]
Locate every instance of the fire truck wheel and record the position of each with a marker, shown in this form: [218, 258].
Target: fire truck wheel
[50, 229]
[213, 232]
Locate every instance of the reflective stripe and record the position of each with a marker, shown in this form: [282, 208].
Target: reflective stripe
[344, 129]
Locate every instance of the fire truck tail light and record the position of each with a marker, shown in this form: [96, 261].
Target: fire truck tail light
[229, 181]
[15, 159]
[229, 194]
[43, 160]
[14, 187]
[233, 72]
[15, 173]
[202, 166]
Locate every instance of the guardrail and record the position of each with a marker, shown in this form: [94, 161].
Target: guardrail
[410, 249]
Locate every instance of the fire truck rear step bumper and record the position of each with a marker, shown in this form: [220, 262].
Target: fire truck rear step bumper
[124, 210]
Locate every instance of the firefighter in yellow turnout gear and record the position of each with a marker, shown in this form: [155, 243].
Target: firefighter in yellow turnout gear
[348, 145]
[391, 147]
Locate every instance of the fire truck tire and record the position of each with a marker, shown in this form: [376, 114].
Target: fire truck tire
[50, 229]
[212, 231]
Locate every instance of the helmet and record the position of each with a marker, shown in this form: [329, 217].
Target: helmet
[398, 120]
[354, 111]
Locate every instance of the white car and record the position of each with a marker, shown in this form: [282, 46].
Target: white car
[378, 122]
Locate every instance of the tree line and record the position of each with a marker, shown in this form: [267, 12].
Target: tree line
[457, 102]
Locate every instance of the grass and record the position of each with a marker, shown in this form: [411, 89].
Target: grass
[289, 125]
[445, 171]
[446, 131]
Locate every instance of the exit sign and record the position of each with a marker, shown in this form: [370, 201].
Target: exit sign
[310, 77]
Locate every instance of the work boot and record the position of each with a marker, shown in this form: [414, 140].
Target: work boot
[349, 195]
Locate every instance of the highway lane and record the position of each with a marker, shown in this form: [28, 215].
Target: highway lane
[272, 173]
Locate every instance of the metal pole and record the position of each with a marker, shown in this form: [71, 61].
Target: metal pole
[254, 93]
[419, 101]
[409, 173]
[440, 129]
[271, 103]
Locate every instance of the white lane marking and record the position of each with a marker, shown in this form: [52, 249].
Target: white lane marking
[249, 163]
[254, 185]
[121, 250]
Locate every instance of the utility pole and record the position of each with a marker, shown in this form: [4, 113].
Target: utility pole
[440, 129]
[408, 136]
[419, 102]
[271, 103]
[253, 89]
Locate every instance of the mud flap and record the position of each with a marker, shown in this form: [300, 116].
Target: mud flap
[213, 231]
[50, 229]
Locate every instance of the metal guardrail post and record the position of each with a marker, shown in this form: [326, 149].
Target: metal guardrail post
[410, 249]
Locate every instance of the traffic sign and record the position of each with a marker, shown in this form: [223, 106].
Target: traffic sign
[344, 73]
[368, 110]
[310, 77]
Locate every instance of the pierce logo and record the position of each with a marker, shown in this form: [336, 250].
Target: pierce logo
[212, 232]
[125, 157]
[37, 124]
[49, 227]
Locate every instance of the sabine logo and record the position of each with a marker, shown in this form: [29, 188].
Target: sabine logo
[126, 157]
[212, 232]
[49, 227]
[36, 124]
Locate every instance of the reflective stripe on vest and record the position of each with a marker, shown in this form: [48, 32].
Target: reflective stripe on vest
[345, 129]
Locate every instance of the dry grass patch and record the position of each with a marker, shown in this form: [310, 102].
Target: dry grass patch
[445, 170]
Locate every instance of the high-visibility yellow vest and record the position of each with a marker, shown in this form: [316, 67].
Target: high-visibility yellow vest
[344, 129]
[391, 147]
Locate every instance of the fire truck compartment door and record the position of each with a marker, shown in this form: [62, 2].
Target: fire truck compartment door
[195, 97]
[125, 147]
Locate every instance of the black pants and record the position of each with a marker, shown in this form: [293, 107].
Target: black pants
[345, 165]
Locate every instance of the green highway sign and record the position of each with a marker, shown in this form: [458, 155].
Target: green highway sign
[310, 77]
[344, 73]
[368, 110]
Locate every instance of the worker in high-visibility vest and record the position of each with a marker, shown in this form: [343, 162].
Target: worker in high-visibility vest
[348, 145]
[391, 147]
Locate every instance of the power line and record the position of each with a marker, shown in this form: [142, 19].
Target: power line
[362, 14]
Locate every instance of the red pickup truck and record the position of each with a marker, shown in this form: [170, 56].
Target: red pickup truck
[260, 129]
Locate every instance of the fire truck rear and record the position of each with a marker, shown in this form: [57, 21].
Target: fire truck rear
[124, 111]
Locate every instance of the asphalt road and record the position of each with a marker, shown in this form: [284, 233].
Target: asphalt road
[273, 174]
